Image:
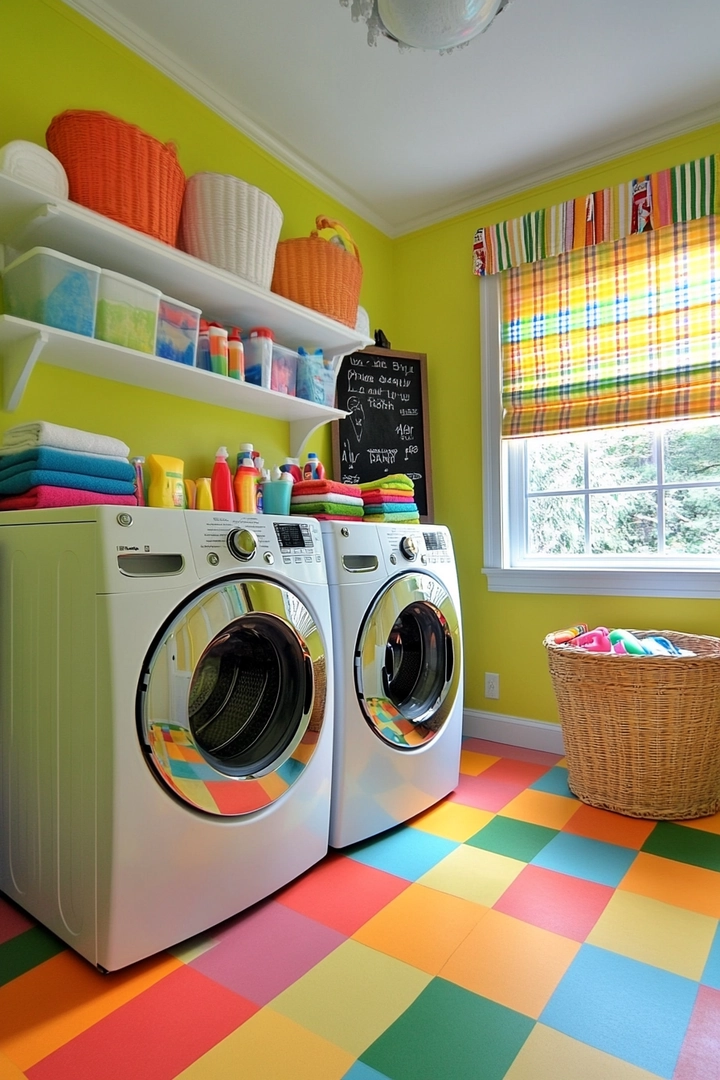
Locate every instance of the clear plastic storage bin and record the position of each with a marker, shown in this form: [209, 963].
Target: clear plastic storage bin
[177, 331]
[311, 377]
[48, 287]
[127, 312]
[283, 376]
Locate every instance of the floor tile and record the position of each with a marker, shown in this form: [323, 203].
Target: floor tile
[404, 852]
[267, 950]
[688, 886]
[709, 824]
[22, 952]
[422, 927]
[479, 876]
[515, 753]
[451, 820]
[271, 1047]
[553, 781]
[631, 1010]
[605, 864]
[673, 841]
[189, 950]
[511, 962]
[511, 771]
[351, 996]
[661, 934]
[549, 1055]
[13, 920]
[342, 893]
[711, 974]
[191, 1014]
[472, 764]
[482, 793]
[360, 1071]
[445, 1034]
[700, 1054]
[541, 808]
[564, 905]
[518, 839]
[9, 1070]
[599, 824]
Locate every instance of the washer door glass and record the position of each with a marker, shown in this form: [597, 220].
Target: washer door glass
[232, 697]
[407, 666]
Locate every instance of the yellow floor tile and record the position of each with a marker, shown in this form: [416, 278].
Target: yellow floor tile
[686, 886]
[541, 808]
[8, 1070]
[656, 933]
[473, 874]
[472, 764]
[549, 1055]
[452, 820]
[192, 948]
[351, 996]
[511, 962]
[271, 1046]
[421, 926]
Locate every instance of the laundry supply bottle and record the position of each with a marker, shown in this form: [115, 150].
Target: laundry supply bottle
[314, 468]
[236, 355]
[291, 465]
[245, 486]
[203, 493]
[137, 463]
[203, 347]
[218, 350]
[166, 488]
[259, 464]
[258, 356]
[221, 482]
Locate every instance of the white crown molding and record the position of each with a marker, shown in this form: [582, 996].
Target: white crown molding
[513, 731]
[161, 58]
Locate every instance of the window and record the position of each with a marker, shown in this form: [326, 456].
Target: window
[601, 418]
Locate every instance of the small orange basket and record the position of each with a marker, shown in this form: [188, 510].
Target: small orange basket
[120, 171]
[319, 274]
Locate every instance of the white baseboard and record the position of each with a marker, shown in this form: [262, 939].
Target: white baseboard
[513, 731]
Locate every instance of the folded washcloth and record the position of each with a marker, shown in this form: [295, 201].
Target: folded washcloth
[30, 478]
[399, 480]
[390, 508]
[387, 495]
[43, 496]
[337, 497]
[41, 433]
[325, 487]
[395, 519]
[326, 506]
[47, 457]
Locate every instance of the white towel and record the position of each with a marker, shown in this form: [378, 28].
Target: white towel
[330, 496]
[40, 433]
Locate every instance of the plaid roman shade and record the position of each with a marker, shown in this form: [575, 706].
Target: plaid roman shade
[614, 334]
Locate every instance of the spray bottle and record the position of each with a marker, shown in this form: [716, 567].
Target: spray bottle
[221, 482]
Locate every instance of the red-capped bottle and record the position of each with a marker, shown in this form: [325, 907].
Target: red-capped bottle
[221, 482]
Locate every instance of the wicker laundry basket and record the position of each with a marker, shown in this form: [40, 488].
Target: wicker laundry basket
[320, 275]
[642, 733]
[231, 224]
[120, 171]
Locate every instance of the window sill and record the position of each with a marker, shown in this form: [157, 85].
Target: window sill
[691, 584]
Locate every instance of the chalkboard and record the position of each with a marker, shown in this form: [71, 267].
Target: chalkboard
[386, 430]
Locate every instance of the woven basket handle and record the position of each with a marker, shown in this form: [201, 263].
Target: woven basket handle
[330, 223]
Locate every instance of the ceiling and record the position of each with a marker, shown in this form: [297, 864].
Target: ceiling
[408, 138]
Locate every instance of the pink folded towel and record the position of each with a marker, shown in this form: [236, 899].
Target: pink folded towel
[45, 495]
[387, 495]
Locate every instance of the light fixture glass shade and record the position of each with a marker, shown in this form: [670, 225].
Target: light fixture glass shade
[437, 24]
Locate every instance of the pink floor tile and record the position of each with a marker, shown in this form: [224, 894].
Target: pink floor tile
[510, 771]
[557, 902]
[12, 921]
[700, 1054]
[516, 753]
[485, 794]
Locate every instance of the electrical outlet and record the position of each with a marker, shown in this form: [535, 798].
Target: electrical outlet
[492, 685]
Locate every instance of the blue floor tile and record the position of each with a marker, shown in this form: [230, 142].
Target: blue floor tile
[592, 860]
[405, 852]
[555, 782]
[360, 1071]
[711, 974]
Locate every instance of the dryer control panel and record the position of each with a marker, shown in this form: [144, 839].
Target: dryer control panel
[417, 545]
[224, 542]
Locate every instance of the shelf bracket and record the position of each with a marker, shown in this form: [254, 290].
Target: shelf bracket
[18, 360]
[300, 432]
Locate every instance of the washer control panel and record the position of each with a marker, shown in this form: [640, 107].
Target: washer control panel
[223, 541]
[417, 545]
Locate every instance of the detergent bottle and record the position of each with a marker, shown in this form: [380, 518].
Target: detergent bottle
[221, 482]
[203, 494]
[314, 468]
[166, 488]
[245, 485]
[291, 465]
[236, 355]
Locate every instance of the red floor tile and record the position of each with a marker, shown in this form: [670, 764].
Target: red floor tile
[557, 902]
[507, 771]
[700, 1054]
[12, 921]
[484, 793]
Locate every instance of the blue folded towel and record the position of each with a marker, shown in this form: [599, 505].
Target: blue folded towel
[390, 508]
[48, 457]
[23, 481]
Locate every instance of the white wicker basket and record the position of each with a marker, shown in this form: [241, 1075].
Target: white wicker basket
[231, 224]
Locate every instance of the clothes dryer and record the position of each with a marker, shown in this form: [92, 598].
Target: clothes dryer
[166, 729]
[398, 673]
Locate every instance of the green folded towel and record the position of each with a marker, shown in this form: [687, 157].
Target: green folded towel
[395, 480]
[326, 507]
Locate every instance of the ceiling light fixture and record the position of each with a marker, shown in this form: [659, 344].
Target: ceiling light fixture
[439, 25]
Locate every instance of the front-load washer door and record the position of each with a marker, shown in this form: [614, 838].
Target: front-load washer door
[232, 697]
[407, 661]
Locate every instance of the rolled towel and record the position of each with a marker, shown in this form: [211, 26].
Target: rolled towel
[326, 507]
[41, 433]
[397, 480]
[44, 496]
[23, 481]
[325, 487]
[337, 497]
[47, 457]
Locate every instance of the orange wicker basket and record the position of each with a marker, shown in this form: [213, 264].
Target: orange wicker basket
[120, 171]
[319, 275]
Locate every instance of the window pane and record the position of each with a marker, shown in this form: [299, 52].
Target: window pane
[555, 464]
[625, 522]
[556, 525]
[692, 516]
[622, 458]
[692, 452]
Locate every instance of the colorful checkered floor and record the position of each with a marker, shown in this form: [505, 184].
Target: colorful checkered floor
[510, 932]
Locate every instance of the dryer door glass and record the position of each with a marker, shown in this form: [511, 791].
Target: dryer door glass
[407, 669]
[233, 697]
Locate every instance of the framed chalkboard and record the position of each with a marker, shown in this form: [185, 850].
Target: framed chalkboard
[386, 430]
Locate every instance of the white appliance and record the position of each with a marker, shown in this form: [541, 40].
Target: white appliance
[398, 673]
[166, 729]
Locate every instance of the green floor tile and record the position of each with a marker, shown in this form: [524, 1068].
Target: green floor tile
[684, 844]
[26, 951]
[518, 839]
[449, 1034]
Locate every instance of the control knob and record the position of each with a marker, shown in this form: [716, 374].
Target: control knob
[408, 548]
[242, 544]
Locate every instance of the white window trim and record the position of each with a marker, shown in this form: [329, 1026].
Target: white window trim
[702, 582]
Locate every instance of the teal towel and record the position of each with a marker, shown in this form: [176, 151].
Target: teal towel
[23, 481]
[48, 457]
[374, 509]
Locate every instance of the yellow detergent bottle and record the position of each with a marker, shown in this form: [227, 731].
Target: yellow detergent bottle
[166, 482]
[203, 494]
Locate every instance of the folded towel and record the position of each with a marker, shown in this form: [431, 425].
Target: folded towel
[47, 457]
[40, 433]
[325, 487]
[390, 508]
[327, 506]
[23, 481]
[334, 517]
[43, 496]
[393, 480]
[387, 495]
[394, 519]
[337, 497]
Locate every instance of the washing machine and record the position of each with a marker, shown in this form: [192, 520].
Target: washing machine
[166, 687]
[398, 673]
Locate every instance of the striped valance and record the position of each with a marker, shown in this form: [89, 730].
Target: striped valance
[684, 193]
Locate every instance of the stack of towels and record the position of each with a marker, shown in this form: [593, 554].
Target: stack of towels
[44, 465]
[327, 500]
[391, 498]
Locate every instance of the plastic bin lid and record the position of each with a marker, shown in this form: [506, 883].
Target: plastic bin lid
[133, 282]
[55, 255]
